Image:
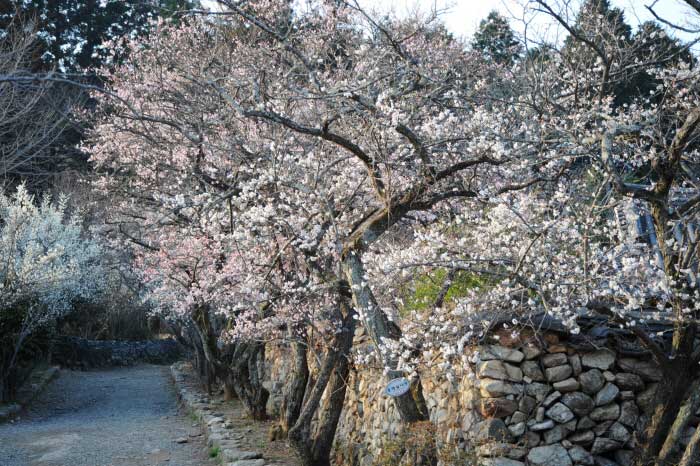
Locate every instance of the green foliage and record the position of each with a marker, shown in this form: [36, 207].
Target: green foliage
[73, 31]
[496, 41]
[542, 53]
[652, 44]
[214, 452]
[425, 289]
[615, 17]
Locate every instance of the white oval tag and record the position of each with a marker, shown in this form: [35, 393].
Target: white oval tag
[397, 387]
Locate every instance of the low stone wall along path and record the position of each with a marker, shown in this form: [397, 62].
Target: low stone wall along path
[116, 417]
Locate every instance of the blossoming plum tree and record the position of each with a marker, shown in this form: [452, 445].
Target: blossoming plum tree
[566, 250]
[255, 161]
[278, 171]
[651, 140]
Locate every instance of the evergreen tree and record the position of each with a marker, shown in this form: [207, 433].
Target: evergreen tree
[605, 28]
[652, 44]
[600, 35]
[72, 32]
[67, 36]
[496, 41]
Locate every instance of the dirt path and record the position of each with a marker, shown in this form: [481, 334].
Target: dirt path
[116, 417]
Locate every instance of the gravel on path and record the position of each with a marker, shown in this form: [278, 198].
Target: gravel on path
[116, 417]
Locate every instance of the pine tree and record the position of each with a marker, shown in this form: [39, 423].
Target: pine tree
[600, 29]
[652, 44]
[72, 32]
[605, 27]
[496, 40]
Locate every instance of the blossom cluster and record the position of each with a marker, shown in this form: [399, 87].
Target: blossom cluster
[47, 262]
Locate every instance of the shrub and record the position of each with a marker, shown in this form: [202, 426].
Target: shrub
[47, 263]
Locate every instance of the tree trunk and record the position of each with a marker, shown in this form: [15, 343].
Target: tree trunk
[333, 404]
[243, 372]
[381, 328]
[669, 397]
[229, 391]
[670, 394]
[314, 448]
[246, 377]
[672, 446]
[678, 368]
[200, 360]
[212, 366]
[8, 385]
[692, 451]
[295, 390]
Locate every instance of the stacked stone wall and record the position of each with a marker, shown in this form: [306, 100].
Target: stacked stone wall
[80, 353]
[540, 402]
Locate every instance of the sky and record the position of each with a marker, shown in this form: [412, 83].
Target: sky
[462, 16]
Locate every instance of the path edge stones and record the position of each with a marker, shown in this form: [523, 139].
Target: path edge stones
[214, 426]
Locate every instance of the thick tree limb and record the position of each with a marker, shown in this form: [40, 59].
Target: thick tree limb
[669, 452]
[322, 133]
[683, 136]
[692, 451]
[417, 146]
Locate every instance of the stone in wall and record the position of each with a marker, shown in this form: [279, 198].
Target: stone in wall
[585, 409]
[527, 404]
